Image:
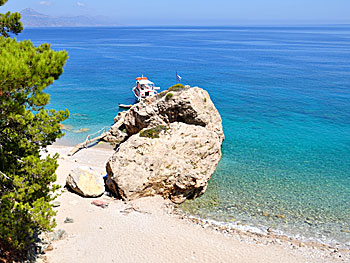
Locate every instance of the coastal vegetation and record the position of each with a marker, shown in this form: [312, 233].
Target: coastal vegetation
[27, 127]
[9, 23]
[153, 132]
[169, 96]
[168, 93]
[177, 87]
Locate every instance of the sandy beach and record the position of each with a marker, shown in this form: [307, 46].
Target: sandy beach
[146, 230]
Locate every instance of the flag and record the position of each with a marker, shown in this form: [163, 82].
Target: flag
[178, 78]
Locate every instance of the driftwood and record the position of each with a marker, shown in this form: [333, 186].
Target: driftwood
[86, 143]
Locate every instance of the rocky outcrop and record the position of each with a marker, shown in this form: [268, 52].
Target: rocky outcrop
[174, 161]
[170, 145]
[86, 182]
[117, 133]
[178, 104]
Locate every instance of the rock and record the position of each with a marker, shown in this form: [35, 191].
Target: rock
[111, 185]
[86, 182]
[281, 216]
[49, 248]
[68, 220]
[174, 161]
[56, 204]
[308, 222]
[82, 130]
[58, 235]
[168, 145]
[188, 105]
[66, 127]
[100, 203]
[117, 133]
[116, 137]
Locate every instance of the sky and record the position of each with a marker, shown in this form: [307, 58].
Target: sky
[196, 12]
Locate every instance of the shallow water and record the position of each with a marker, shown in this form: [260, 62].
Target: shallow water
[283, 94]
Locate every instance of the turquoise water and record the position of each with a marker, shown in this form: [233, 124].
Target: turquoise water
[283, 94]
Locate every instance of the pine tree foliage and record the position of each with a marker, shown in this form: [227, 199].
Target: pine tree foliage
[26, 128]
[9, 23]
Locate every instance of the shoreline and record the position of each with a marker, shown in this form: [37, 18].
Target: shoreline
[266, 232]
[237, 225]
[251, 233]
[164, 211]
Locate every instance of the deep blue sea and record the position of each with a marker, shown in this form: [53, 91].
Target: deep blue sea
[283, 94]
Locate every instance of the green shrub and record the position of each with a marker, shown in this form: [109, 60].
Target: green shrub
[177, 87]
[153, 132]
[162, 94]
[169, 96]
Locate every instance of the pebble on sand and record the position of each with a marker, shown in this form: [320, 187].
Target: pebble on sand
[68, 220]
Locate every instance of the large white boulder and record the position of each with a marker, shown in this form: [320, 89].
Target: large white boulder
[86, 181]
[174, 161]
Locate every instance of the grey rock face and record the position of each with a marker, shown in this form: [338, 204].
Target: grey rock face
[117, 133]
[177, 165]
[86, 181]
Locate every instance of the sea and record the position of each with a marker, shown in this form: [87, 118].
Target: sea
[283, 94]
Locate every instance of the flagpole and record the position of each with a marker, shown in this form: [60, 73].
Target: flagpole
[178, 78]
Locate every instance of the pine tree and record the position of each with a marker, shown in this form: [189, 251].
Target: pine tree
[26, 128]
[9, 23]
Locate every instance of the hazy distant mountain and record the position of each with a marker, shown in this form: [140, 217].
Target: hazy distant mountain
[31, 18]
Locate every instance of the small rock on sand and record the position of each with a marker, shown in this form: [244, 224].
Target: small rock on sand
[68, 220]
[56, 204]
[99, 203]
